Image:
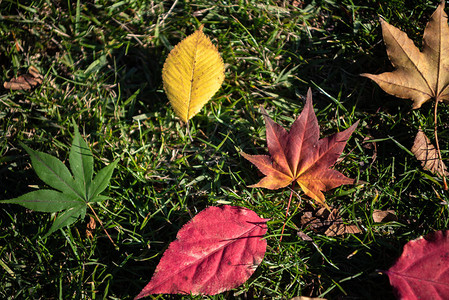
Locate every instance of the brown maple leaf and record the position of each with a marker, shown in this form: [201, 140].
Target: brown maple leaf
[419, 76]
[300, 156]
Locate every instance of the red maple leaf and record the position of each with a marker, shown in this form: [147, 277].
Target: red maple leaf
[218, 250]
[422, 271]
[300, 156]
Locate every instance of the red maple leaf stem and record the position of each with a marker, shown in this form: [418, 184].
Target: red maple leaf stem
[437, 143]
[286, 213]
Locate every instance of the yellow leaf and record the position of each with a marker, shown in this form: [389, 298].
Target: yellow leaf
[193, 72]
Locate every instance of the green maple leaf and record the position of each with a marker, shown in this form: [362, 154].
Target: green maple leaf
[73, 191]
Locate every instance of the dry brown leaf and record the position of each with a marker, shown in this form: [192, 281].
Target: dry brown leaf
[426, 153]
[381, 216]
[90, 227]
[419, 76]
[35, 72]
[298, 4]
[25, 81]
[315, 220]
[304, 236]
[338, 227]
[330, 223]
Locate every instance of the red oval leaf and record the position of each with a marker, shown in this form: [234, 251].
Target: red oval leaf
[218, 250]
[422, 271]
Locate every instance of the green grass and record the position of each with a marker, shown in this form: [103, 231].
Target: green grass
[102, 64]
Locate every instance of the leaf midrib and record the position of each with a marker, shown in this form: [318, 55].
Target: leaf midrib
[402, 275]
[197, 39]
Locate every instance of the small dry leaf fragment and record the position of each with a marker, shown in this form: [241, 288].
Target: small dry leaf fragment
[193, 72]
[90, 227]
[25, 81]
[315, 220]
[382, 216]
[304, 236]
[426, 153]
[338, 227]
[296, 3]
[330, 223]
